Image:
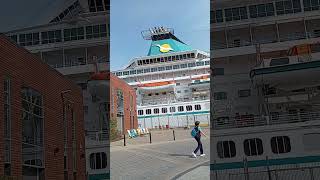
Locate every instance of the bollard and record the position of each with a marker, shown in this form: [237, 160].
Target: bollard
[124, 140]
[174, 136]
[150, 137]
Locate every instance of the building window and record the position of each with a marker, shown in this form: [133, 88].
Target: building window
[280, 144]
[288, 7]
[140, 112]
[73, 34]
[311, 5]
[261, 10]
[218, 71]
[253, 147]
[180, 108]
[164, 110]
[29, 39]
[51, 36]
[189, 108]
[156, 111]
[172, 109]
[216, 16]
[220, 95]
[197, 107]
[96, 31]
[244, 93]
[98, 160]
[32, 134]
[238, 13]
[226, 149]
[148, 111]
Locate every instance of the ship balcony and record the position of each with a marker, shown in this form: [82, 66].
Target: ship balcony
[244, 121]
[287, 71]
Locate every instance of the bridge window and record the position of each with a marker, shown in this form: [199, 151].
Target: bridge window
[98, 160]
[288, 7]
[148, 111]
[253, 147]
[233, 14]
[189, 108]
[139, 71]
[197, 107]
[29, 39]
[280, 144]
[172, 109]
[140, 112]
[164, 110]
[73, 34]
[125, 73]
[311, 5]
[261, 10]
[216, 16]
[156, 111]
[180, 108]
[226, 149]
[51, 37]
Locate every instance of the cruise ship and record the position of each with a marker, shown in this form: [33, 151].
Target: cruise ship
[172, 82]
[74, 39]
[265, 90]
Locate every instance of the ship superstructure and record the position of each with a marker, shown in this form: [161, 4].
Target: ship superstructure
[265, 89]
[75, 41]
[172, 81]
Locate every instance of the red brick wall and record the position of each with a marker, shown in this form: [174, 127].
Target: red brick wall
[26, 69]
[117, 83]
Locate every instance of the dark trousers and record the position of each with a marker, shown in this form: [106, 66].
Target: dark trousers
[199, 145]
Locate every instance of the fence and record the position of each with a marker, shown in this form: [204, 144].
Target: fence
[307, 171]
[250, 120]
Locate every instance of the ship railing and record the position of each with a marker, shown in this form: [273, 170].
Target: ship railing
[266, 40]
[97, 135]
[79, 63]
[272, 119]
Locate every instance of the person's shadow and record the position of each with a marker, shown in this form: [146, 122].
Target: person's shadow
[182, 155]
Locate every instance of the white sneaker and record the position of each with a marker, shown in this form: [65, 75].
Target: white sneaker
[194, 155]
[202, 155]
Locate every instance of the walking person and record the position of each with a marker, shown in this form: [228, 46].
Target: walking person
[196, 133]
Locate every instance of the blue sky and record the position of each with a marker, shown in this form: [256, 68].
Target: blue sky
[189, 18]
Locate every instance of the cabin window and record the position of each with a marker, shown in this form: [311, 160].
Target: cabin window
[156, 111]
[164, 110]
[161, 68]
[183, 65]
[154, 69]
[180, 108]
[311, 5]
[279, 61]
[253, 147]
[148, 111]
[197, 107]
[139, 71]
[226, 149]
[140, 112]
[207, 62]
[168, 67]
[280, 144]
[191, 64]
[189, 108]
[220, 95]
[244, 93]
[146, 70]
[172, 109]
[126, 73]
[176, 66]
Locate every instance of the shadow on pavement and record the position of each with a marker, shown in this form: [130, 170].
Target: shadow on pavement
[182, 155]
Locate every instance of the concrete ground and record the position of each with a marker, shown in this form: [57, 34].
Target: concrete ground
[163, 159]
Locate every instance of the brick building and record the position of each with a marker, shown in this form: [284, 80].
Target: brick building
[123, 104]
[41, 115]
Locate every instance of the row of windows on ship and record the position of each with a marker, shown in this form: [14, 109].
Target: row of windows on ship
[253, 147]
[263, 10]
[54, 36]
[163, 68]
[170, 58]
[172, 109]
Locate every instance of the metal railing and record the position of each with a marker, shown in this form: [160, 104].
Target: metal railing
[307, 171]
[266, 40]
[97, 135]
[274, 118]
[78, 63]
